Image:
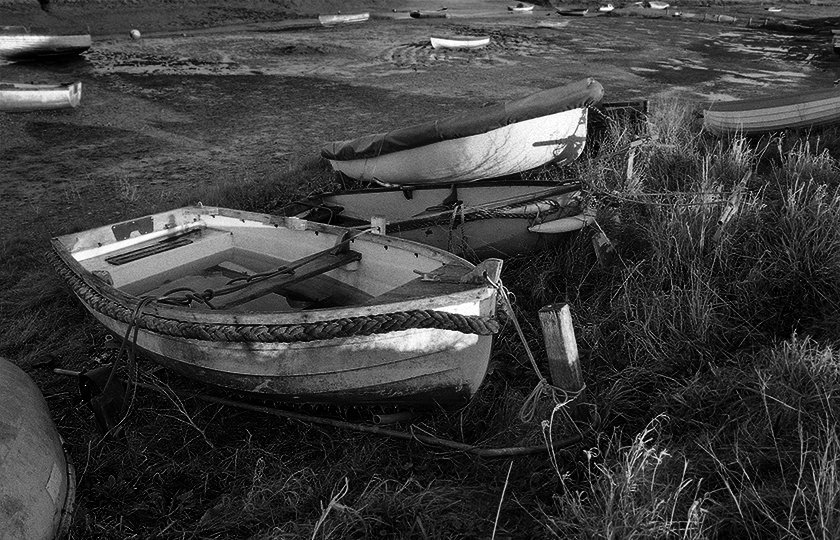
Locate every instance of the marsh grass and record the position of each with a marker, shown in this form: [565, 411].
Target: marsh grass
[709, 348]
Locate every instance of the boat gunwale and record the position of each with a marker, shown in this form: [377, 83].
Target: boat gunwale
[192, 315]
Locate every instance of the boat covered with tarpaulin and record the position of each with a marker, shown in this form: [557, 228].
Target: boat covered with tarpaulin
[493, 141]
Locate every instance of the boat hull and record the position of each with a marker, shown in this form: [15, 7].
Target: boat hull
[459, 42]
[359, 351]
[477, 220]
[521, 146]
[765, 115]
[332, 20]
[37, 484]
[40, 97]
[24, 46]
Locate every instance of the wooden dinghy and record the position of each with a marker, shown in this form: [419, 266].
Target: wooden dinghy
[18, 43]
[16, 97]
[37, 481]
[774, 113]
[459, 42]
[428, 14]
[340, 18]
[475, 220]
[521, 7]
[498, 140]
[297, 311]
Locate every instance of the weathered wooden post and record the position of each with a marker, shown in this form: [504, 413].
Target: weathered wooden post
[561, 349]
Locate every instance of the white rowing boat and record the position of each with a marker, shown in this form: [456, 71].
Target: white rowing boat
[493, 141]
[521, 7]
[774, 113]
[289, 309]
[340, 18]
[16, 97]
[475, 220]
[459, 42]
[656, 4]
[18, 43]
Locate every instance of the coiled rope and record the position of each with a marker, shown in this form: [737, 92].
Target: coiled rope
[272, 333]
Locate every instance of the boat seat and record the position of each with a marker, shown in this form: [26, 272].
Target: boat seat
[283, 282]
[424, 285]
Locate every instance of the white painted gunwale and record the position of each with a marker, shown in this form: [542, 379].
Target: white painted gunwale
[511, 149]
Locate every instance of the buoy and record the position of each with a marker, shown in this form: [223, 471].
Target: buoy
[135, 33]
[37, 482]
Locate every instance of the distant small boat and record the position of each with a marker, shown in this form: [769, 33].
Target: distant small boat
[427, 14]
[576, 12]
[289, 309]
[493, 141]
[656, 4]
[774, 113]
[774, 9]
[607, 8]
[459, 42]
[16, 97]
[37, 481]
[339, 18]
[475, 220]
[18, 43]
[521, 7]
[835, 41]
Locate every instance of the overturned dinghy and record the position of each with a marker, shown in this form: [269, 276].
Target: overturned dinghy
[19, 43]
[476, 220]
[15, 97]
[774, 113]
[339, 18]
[37, 481]
[459, 42]
[290, 309]
[508, 138]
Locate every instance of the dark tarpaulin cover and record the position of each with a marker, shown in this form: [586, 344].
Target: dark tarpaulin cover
[584, 93]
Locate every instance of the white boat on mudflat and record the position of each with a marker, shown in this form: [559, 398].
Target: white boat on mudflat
[17, 97]
[493, 141]
[19, 43]
[289, 309]
[476, 220]
[340, 18]
[521, 7]
[774, 113]
[656, 4]
[459, 42]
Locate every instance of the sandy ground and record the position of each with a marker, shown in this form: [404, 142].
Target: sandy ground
[220, 92]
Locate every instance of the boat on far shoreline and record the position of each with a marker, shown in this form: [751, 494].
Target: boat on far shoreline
[339, 18]
[17, 97]
[18, 43]
[459, 42]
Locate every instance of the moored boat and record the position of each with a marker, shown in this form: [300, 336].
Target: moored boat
[428, 14]
[16, 97]
[774, 113]
[476, 220]
[341, 18]
[521, 7]
[574, 12]
[835, 41]
[37, 481]
[289, 309]
[606, 8]
[19, 43]
[493, 141]
[459, 42]
[656, 4]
